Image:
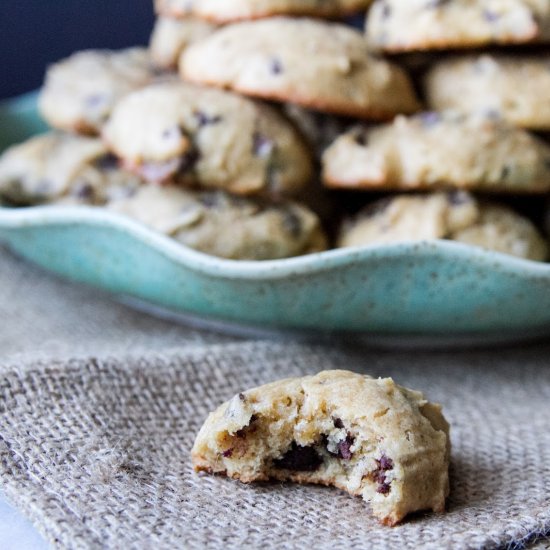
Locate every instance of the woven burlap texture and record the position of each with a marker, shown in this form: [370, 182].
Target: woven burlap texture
[44, 317]
[96, 452]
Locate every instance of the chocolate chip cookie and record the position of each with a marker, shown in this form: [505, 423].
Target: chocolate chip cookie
[369, 437]
[414, 25]
[62, 168]
[198, 136]
[80, 92]
[223, 225]
[440, 150]
[457, 216]
[319, 65]
[515, 87]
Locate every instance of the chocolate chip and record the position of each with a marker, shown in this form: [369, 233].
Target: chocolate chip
[375, 209]
[203, 119]
[273, 179]
[493, 114]
[456, 198]
[386, 10]
[172, 133]
[292, 223]
[344, 447]
[379, 476]
[385, 463]
[275, 66]
[95, 100]
[338, 423]
[83, 190]
[429, 119]
[299, 459]
[210, 200]
[106, 162]
[243, 432]
[490, 16]
[262, 146]
[432, 4]
[242, 397]
[361, 138]
[188, 160]
[157, 71]
[227, 453]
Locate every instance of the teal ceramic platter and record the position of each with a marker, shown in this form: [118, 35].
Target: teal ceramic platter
[426, 288]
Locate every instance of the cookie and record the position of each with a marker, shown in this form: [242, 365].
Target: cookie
[80, 92]
[456, 216]
[517, 88]
[369, 437]
[440, 150]
[59, 167]
[171, 36]
[322, 66]
[198, 136]
[226, 11]
[415, 25]
[223, 225]
[502, 230]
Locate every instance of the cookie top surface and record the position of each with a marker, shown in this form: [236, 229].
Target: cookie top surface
[258, 230]
[413, 25]
[208, 137]
[80, 91]
[322, 66]
[440, 150]
[512, 86]
[456, 216]
[225, 11]
[368, 436]
[59, 167]
[171, 36]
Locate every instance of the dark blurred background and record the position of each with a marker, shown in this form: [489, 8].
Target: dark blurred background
[34, 33]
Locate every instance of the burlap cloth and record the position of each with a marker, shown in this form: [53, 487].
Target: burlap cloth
[94, 445]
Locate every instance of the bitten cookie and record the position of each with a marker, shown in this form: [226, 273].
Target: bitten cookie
[223, 225]
[413, 25]
[171, 36]
[322, 66]
[80, 91]
[58, 167]
[456, 216]
[369, 437]
[440, 150]
[517, 88]
[208, 137]
[225, 11]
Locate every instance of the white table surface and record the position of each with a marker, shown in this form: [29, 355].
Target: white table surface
[16, 532]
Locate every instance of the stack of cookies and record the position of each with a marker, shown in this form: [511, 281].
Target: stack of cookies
[475, 136]
[246, 122]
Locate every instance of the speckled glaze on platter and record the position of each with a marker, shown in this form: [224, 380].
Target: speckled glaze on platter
[426, 288]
